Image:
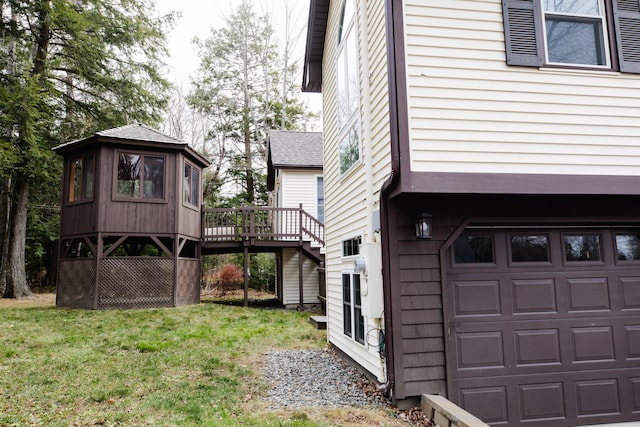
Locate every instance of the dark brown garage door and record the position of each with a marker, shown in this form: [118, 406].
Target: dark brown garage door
[544, 325]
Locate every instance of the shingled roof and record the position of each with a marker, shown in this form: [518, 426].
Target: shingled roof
[292, 150]
[140, 132]
[137, 133]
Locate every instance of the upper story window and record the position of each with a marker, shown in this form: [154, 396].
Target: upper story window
[597, 34]
[81, 173]
[191, 189]
[140, 176]
[348, 89]
[575, 32]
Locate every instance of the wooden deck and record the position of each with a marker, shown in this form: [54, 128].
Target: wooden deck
[261, 229]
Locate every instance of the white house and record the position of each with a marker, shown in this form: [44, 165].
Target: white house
[294, 179]
[482, 182]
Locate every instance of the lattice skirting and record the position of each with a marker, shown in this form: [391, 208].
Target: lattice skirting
[136, 283]
[128, 283]
[188, 289]
[76, 283]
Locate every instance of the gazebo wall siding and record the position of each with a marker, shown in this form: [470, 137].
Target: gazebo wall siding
[78, 218]
[130, 216]
[189, 222]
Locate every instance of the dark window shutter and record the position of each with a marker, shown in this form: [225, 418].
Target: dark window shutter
[626, 15]
[522, 32]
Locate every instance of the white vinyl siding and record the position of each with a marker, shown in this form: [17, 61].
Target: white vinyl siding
[351, 198]
[470, 112]
[298, 186]
[291, 289]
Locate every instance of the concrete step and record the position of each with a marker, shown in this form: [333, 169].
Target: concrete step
[318, 322]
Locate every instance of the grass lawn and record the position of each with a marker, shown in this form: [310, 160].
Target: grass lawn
[189, 366]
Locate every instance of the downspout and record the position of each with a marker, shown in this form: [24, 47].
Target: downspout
[394, 26]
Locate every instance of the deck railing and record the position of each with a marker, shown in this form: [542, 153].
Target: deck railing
[261, 223]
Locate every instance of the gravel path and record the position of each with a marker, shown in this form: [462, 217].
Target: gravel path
[311, 378]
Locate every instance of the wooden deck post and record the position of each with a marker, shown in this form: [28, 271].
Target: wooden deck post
[246, 276]
[300, 260]
[300, 278]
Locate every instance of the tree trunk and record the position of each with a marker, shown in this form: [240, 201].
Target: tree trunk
[4, 231]
[5, 182]
[247, 123]
[17, 285]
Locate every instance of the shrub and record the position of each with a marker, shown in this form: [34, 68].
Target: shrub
[227, 278]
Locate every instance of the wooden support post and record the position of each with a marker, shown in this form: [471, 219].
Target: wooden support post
[246, 276]
[300, 279]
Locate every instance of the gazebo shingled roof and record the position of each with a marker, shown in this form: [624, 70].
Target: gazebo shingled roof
[137, 132]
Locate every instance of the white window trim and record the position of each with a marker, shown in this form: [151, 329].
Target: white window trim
[351, 122]
[350, 257]
[605, 35]
[317, 198]
[352, 307]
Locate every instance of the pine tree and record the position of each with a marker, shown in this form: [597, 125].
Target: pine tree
[73, 67]
[241, 85]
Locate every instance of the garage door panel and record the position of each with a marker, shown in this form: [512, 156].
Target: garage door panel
[537, 347]
[532, 296]
[592, 344]
[550, 345]
[542, 402]
[477, 297]
[557, 295]
[480, 350]
[487, 403]
[546, 345]
[634, 391]
[598, 397]
[552, 399]
[630, 293]
[588, 294]
[632, 341]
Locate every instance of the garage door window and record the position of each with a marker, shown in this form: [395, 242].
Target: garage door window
[530, 248]
[473, 249]
[628, 247]
[582, 247]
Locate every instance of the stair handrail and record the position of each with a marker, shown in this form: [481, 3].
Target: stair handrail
[311, 227]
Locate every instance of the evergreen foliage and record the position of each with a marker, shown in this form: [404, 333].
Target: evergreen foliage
[239, 86]
[72, 67]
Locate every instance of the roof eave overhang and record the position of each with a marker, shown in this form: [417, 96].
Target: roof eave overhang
[289, 166]
[84, 144]
[314, 51]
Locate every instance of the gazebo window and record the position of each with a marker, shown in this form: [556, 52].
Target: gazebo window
[140, 176]
[81, 179]
[191, 185]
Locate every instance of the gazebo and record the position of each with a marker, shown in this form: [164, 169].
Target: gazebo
[130, 227]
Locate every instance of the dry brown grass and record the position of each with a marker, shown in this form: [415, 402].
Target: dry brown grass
[37, 300]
